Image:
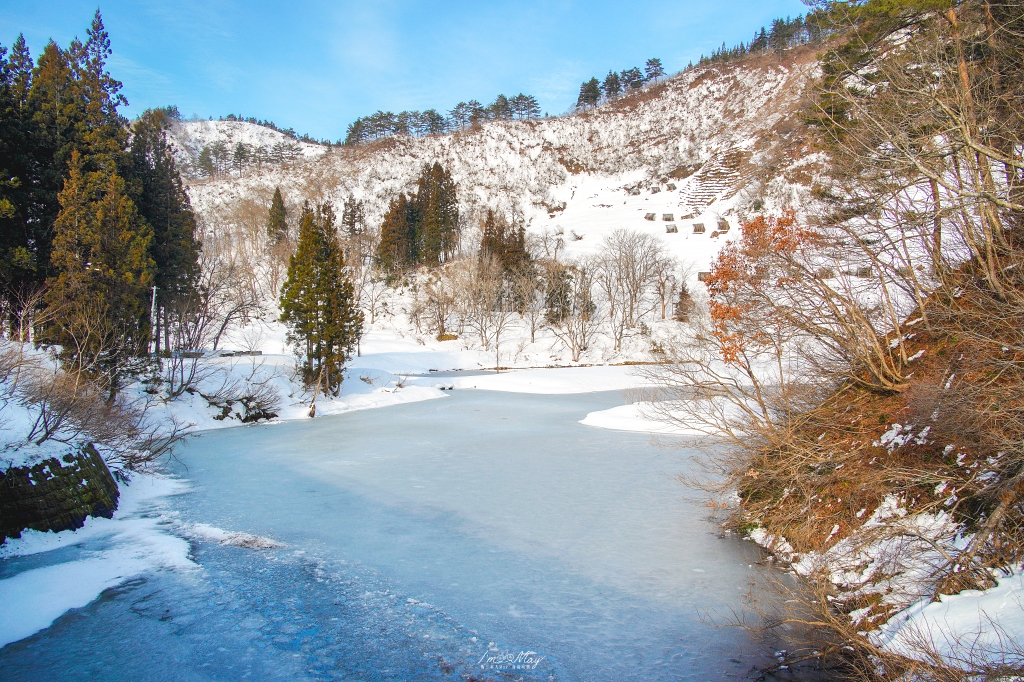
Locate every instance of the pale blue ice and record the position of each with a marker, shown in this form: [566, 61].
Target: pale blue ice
[429, 541]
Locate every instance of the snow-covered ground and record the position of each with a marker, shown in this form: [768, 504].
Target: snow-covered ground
[189, 138]
[973, 626]
[641, 417]
[692, 150]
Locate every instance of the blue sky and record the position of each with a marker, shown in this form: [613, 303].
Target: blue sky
[316, 65]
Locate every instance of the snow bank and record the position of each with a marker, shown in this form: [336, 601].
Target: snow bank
[640, 417]
[135, 541]
[976, 625]
[364, 387]
[556, 380]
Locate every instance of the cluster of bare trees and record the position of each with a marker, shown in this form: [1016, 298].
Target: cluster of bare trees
[617, 292]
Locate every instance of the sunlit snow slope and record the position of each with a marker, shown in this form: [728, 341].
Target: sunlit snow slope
[702, 148]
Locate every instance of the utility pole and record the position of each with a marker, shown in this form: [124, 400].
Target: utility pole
[153, 335]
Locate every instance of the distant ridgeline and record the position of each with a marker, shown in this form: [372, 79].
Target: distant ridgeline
[287, 132]
[431, 122]
[224, 157]
[806, 29]
[593, 92]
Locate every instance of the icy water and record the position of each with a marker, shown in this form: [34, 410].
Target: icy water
[484, 536]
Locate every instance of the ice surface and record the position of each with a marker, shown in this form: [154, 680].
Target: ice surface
[413, 538]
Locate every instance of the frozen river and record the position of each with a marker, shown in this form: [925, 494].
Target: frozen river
[441, 540]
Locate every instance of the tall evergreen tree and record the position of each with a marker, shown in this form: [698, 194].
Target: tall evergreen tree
[653, 70]
[505, 243]
[277, 219]
[103, 273]
[164, 204]
[353, 217]
[437, 226]
[17, 258]
[318, 303]
[397, 248]
[612, 86]
[590, 94]
[500, 108]
[632, 79]
[67, 102]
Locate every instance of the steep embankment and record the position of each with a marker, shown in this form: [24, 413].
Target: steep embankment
[892, 500]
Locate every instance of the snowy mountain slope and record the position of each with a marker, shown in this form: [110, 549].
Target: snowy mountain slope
[189, 138]
[694, 146]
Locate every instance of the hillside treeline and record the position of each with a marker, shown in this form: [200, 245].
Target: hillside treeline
[431, 122]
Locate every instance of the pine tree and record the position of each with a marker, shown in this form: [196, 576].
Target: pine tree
[353, 217]
[318, 303]
[684, 304]
[556, 295]
[760, 41]
[500, 108]
[71, 104]
[397, 248]
[277, 219]
[654, 70]
[590, 94]
[612, 86]
[531, 108]
[632, 79]
[436, 222]
[505, 244]
[18, 265]
[101, 257]
[164, 204]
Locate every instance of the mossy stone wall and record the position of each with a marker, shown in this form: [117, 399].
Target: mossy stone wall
[56, 494]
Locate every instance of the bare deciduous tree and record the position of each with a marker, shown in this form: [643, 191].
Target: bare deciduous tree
[627, 268]
[576, 325]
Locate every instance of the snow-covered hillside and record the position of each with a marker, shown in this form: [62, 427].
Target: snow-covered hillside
[262, 145]
[694, 148]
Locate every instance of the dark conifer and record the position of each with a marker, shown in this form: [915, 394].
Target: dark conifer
[318, 302]
[277, 219]
[654, 70]
[504, 243]
[612, 86]
[103, 274]
[396, 250]
[165, 206]
[437, 226]
[353, 217]
[590, 94]
[632, 79]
